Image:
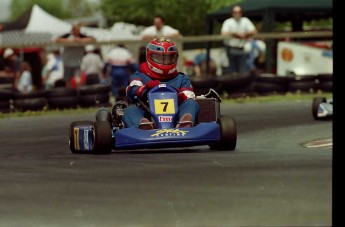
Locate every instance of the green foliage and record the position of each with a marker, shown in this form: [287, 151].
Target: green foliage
[61, 9]
[188, 16]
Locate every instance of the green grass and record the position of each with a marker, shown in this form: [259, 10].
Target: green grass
[248, 99]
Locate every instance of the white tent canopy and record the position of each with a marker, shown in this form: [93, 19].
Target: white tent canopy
[42, 28]
[41, 21]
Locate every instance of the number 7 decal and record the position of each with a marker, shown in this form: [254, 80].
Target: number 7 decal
[164, 106]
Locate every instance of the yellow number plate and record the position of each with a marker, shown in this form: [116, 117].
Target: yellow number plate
[164, 106]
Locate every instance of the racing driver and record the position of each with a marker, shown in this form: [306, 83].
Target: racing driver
[160, 67]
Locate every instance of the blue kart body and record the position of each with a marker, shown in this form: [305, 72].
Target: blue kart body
[163, 103]
[86, 137]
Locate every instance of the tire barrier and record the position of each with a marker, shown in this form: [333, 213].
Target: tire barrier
[95, 95]
[201, 85]
[325, 82]
[306, 83]
[62, 98]
[236, 85]
[268, 83]
[6, 97]
[33, 101]
[98, 95]
[6, 83]
[32, 104]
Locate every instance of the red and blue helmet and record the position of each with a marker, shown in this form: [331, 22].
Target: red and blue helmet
[161, 57]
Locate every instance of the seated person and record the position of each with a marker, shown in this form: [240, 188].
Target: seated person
[160, 67]
[24, 83]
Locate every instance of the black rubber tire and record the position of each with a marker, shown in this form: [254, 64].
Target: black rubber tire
[33, 104]
[5, 107]
[272, 79]
[303, 86]
[204, 82]
[61, 92]
[71, 133]
[268, 88]
[63, 102]
[7, 80]
[228, 134]
[326, 86]
[325, 77]
[6, 95]
[315, 106]
[93, 99]
[229, 82]
[33, 94]
[103, 137]
[94, 89]
[241, 92]
[103, 114]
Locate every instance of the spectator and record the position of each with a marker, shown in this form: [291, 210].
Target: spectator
[159, 29]
[72, 56]
[239, 29]
[12, 64]
[24, 82]
[200, 65]
[91, 65]
[119, 64]
[256, 50]
[53, 69]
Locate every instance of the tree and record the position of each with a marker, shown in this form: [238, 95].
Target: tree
[58, 8]
[188, 16]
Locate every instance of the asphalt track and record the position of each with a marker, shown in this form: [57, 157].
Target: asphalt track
[271, 179]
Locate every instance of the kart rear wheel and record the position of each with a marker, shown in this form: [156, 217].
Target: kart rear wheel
[315, 106]
[103, 137]
[71, 134]
[228, 133]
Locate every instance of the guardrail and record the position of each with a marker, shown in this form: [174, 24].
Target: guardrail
[188, 39]
[134, 44]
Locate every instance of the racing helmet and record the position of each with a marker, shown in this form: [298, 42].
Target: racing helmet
[161, 57]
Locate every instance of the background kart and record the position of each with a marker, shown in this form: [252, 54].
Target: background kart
[108, 132]
[322, 108]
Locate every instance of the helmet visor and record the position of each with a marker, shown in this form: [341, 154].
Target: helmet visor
[164, 59]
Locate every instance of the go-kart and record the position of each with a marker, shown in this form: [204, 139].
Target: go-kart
[322, 108]
[108, 131]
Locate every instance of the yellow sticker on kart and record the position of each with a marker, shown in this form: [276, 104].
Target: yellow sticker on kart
[164, 106]
[76, 138]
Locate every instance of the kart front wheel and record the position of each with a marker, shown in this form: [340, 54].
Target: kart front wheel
[315, 106]
[228, 134]
[103, 137]
[73, 138]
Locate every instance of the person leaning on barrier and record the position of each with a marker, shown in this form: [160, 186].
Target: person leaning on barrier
[240, 29]
[159, 28]
[73, 55]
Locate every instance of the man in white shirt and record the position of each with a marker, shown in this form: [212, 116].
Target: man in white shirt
[159, 29]
[92, 65]
[240, 29]
[119, 64]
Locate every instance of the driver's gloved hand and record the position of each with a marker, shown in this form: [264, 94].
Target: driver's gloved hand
[181, 97]
[152, 83]
[143, 90]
